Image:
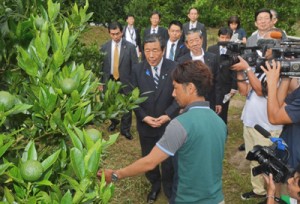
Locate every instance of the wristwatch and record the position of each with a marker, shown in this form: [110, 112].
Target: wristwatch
[247, 70]
[114, 177]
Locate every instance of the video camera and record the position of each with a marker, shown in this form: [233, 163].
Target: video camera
[271, 159]
[286, 52]
[237, 49]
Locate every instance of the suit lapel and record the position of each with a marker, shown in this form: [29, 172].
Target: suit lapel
[149, 76]
[162, 78]
[122, 51]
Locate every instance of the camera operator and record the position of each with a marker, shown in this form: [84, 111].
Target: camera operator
[284, 108]
[254, 112]
[293, 189]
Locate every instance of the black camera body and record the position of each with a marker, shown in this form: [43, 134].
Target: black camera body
[271, 161]
[237, 49]
[287, 53]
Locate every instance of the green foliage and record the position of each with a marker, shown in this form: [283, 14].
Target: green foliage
[212, 13]
[51, 98]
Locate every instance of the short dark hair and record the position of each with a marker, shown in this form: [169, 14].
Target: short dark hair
[154, 13]
[114, 25]
[234, 19]
[129, 15]
[155, 38]
[194, 30]
[263, 10]
[175, 22]
[195, 72]
[225, 31]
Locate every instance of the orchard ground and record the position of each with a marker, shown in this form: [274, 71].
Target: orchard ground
[236, 172]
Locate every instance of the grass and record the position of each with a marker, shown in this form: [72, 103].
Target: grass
[236, 173]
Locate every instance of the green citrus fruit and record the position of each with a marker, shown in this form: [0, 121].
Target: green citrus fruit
[68, 85]
[7, 100]
[31, 170]
[94, 134]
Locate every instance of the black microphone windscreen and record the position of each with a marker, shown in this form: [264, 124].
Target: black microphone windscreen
[262, 131]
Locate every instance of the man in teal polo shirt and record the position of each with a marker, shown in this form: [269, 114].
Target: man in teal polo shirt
[195, 139]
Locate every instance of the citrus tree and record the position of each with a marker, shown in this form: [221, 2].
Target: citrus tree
[47, 100]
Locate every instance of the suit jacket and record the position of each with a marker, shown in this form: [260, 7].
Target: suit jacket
[162, 32]
[159, 101]
[138, 37]
[226, 76]
[128, 57]
[214, 96]
[199, 26]
[180, 50]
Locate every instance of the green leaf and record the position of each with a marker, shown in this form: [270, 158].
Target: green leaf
[53, 10]
[77, 162]
[42, 49]
[106, 195]
[50, 160]
[44, 183]
[19, 108]
[75, 140]
[5, 166]
[26, 63]
[93, 161]
[74, 184]
[58, 58]
[29, 152]
[4, 148]
[67, 198]
[65, 36]
[8, 195]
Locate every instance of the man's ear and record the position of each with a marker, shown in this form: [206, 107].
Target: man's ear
[255, 24]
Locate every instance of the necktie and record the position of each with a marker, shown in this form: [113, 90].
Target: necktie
[171, 54]
[116, 63]
[153, 31]
[156, 77]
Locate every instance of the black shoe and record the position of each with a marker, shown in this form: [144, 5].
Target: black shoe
[241, 147]
[112, 127]
[250, 195]
[127, 135]
[152, 196]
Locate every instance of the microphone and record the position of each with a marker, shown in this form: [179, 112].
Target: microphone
[276, 35]
[262, 131]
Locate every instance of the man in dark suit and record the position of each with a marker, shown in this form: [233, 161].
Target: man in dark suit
[132, 34]
[155, 28]
[153, 77]
[117, 65]
[194, 24]
[194, 44]
[175, 46]
[226, 76]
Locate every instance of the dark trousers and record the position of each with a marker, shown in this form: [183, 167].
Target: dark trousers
[126, 121]
[224, 112]
[154, 176]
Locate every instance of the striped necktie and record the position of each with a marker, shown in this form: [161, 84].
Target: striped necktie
[156, 77]
[171, 55]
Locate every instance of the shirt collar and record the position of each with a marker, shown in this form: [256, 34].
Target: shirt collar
[119, 43]
[200, 57]
[200, 104]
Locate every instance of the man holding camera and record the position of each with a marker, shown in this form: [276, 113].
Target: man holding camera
[284, 108]
[254, 112]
